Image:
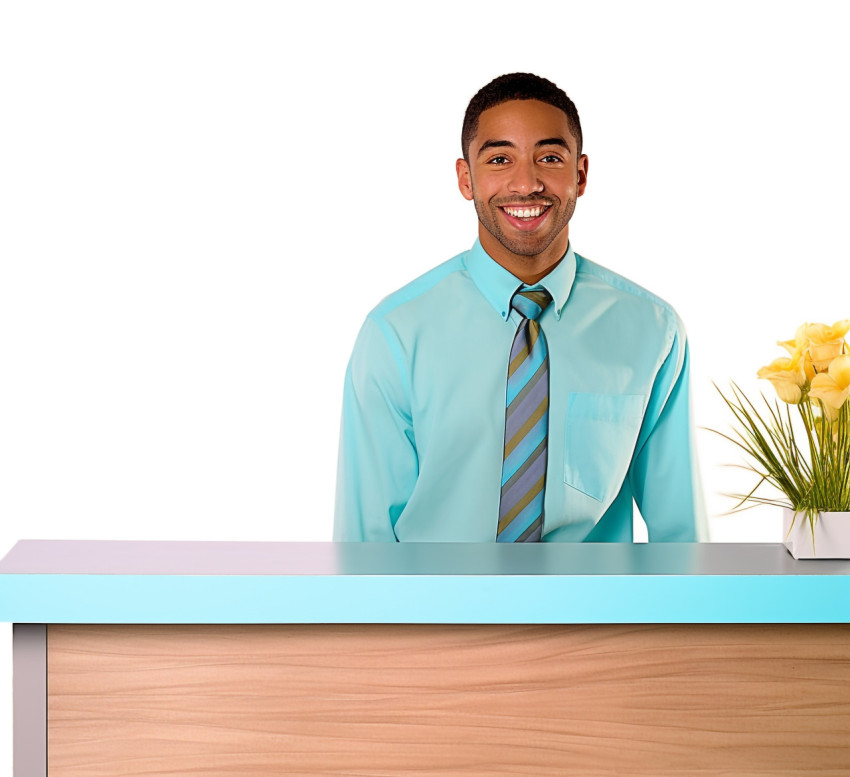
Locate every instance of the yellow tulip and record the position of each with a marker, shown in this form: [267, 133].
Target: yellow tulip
[798, 348]
[833, 387]
[826, 342]
[819, 334]
[818, 344]
[787, 377]
[821, 356]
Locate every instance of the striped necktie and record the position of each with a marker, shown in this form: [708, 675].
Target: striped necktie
[526, 425]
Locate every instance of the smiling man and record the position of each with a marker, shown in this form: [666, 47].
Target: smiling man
[519, 392]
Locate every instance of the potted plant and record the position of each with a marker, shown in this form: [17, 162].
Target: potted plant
[800, 442]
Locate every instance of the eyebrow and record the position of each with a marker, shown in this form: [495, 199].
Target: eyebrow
[508, 144]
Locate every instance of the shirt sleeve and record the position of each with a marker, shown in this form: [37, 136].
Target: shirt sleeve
[664, 474]
[378, 465]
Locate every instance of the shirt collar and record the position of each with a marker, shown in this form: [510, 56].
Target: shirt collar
[498, 285]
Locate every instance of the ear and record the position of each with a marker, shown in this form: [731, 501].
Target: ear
[582, 174]
[464, 179]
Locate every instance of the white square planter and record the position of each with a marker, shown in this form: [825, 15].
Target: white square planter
[831, 535]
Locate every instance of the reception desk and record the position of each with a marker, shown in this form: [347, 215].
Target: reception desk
[213, 658]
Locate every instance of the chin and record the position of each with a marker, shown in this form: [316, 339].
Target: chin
[523, 248]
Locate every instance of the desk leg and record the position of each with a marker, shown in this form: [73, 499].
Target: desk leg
[29, 693]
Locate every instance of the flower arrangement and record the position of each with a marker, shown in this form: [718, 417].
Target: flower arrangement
[810, 467]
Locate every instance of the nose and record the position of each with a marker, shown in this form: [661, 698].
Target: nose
[524, 179]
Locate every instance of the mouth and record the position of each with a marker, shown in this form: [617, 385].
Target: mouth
[526, 217]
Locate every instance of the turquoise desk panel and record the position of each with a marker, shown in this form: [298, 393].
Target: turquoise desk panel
[44, 581]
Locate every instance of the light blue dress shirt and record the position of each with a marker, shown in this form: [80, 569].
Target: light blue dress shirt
[424, 410]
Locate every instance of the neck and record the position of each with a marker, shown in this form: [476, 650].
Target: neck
[529, 269]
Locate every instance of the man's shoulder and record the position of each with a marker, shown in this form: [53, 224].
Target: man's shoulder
[419, 287]
[603, 279]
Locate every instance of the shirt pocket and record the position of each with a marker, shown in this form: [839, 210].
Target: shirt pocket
[600, 437]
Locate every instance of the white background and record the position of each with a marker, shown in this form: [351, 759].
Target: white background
[196, 198]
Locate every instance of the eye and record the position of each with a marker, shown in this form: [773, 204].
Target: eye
[552, 158]
[498, 160]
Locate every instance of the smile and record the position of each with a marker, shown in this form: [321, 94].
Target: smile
[525, 213]
[526, 219]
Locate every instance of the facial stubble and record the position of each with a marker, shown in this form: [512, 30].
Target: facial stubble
[488, 216]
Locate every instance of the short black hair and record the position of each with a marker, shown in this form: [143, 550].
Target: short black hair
[517, 86]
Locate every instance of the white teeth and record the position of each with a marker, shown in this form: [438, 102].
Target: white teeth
[525, 213]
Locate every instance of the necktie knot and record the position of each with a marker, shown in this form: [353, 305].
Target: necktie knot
[531, 303]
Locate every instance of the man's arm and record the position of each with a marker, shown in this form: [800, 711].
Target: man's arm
[378, 465]
[664, 475]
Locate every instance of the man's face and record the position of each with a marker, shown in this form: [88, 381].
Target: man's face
[524, 176]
